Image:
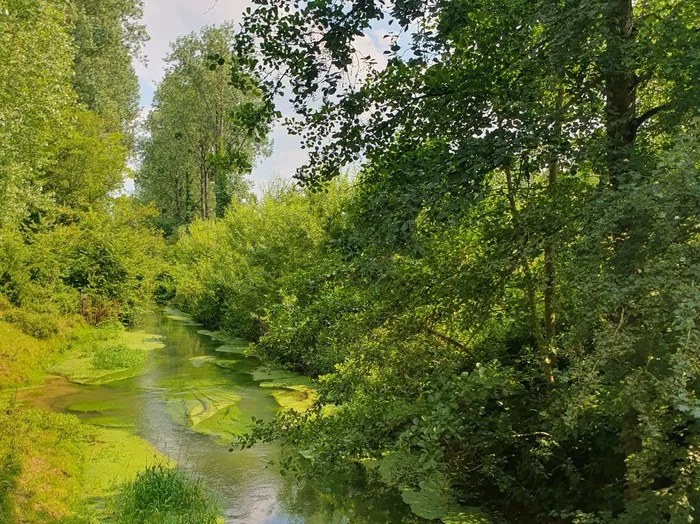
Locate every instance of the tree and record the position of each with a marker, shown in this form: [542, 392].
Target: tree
[204, 132]
[514, 332]
[108, 36]
[35, 99]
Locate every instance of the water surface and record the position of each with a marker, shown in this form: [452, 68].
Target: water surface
[181, 384]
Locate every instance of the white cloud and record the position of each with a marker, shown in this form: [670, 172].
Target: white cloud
[286, 157]
[167, 19]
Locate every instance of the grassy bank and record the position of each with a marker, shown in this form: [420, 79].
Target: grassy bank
[160, 495]
[30, 343]
[55, 469]
[104, 354]
[33, 344]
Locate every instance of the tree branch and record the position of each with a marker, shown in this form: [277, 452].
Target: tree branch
[446, 339]
[636, 122]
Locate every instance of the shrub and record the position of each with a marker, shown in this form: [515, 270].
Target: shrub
[163, 495]
[38, 325]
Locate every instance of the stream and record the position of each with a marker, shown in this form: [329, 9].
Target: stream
[187, 371]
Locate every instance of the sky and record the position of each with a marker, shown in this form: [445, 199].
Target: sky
[165, 20]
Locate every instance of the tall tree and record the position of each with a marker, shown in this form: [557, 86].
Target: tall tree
[108, 37]
[217, 128]
[35, 98]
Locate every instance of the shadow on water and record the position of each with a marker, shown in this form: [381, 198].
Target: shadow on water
[189, 383]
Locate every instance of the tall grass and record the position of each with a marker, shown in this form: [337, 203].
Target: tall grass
[161, 495]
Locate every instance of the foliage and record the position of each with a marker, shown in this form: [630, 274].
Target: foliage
[226, 272]
[165, 495]
[107, 37]
[35, 95]
[504, 300]
[89, 164]
[203, 134]
[62, 155]
[110, 256]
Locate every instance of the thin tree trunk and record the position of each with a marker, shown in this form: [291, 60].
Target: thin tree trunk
[202, 183]
[525, 264]
[549, 246]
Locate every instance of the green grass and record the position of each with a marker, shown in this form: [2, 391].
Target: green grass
[161, 495]
[119, 356]
[54, 469]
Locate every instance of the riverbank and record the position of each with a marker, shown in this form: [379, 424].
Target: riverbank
[57, 469]
[53, 467]
[191, 400]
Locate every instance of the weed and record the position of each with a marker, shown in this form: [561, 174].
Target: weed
[161, 495]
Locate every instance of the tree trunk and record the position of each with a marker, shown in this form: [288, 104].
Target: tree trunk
[549, 246]
[620, 91]
[525, 263]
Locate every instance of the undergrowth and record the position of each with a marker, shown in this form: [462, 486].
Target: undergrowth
[119, 356]
[162, 495]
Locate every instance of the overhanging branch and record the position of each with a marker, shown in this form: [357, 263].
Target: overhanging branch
[636, 122]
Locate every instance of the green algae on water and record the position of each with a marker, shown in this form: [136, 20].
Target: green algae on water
[291, 391]
[228, 364]
[433, 499]
[198, 361]
[115, 457]
[177, 315]
[78, 364]
[97, 406]
[109, 422]
[239, 349]
[269, 372]
[207, 406]
[295, 398]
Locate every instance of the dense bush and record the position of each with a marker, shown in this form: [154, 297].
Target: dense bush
[100, 264]
[227, 272]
